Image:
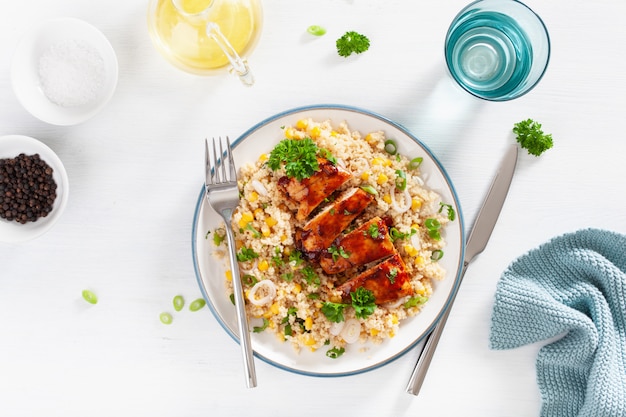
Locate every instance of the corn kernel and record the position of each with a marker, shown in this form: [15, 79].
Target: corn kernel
[333, 133]
[420, 291]
[415, 226]
[387, 198]
[419, 260]
[246, 218]
[270, 221]
[308, 323]
[272, 325]
[391, 334]
[318, 304]
[265, 231]
[254, 196]
[289, 133]
[394, 319]
[296, 288]
[287, 251]
[302, 124]
[258, 212]
[310, 341]
[416, 204]
[374, 332]
[410, 250]
[387, 162]
[263, 157]
[377, 161]
[275, 308]
[365, 176]
[229, 275]
[283, 238]
[263, 265]
[382, 178]
[369, 138]
[280, 336]
[315, 132]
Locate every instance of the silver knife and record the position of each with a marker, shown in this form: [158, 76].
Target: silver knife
[476, 243]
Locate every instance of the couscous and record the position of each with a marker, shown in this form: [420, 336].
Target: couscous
[323, 286]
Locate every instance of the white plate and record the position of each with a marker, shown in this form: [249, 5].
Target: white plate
[25, 70]
[210, 274]
[10, 147]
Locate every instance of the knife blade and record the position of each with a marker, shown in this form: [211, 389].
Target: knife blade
[476, 242]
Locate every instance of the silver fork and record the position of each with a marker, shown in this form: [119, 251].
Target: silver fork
[223, 195]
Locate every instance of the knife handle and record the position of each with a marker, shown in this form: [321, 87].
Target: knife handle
[426, 355]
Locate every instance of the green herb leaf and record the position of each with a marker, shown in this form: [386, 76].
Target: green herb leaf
[352, 42]
[363, 302]
[391, 276]
[299, 157]
[246, 254]
[333, 311]
[336, 252]
[531, 137]
[325, 153]
[219, 236]
[450, 209]
[311, 277]
[259, 329]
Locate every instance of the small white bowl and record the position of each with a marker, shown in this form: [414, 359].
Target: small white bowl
[68, 37]
[10, 147]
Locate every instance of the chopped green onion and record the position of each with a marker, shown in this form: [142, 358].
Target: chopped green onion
[390, 147]
[369, 189]
[90, 297]
[415, 301]
[232, 298]
[316, 30]
[416, 162]
[400, 180]
[436, 255]
[178, 302]
[248, 279]
[451, 212]
[335, 352]
[433, 227]
[197, 304]
[255, 232]
[166, 318]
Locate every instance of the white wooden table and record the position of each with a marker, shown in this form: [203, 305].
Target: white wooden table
[135, 172]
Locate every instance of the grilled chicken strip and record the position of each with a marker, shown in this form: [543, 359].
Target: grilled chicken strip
[318, 234]
[367, 243]
[310, 192]
[388, 280]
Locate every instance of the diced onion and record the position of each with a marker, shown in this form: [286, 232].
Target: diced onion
[336, 328]
[259, 187]
[407, 202]
[253, 266]
[418, 180]
[351, 331]
[268, 287]
[341, 163]
[416, 242]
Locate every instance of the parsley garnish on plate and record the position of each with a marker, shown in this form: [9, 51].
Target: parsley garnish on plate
[352, 42]
[363, 302]
[299, 157]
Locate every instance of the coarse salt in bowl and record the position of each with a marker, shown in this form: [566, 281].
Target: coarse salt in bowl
[10, 147]
[64, 71]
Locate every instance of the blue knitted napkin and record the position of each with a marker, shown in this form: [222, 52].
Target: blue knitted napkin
[573, 286]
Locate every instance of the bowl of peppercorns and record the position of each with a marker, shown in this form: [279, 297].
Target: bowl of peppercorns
[33, 188]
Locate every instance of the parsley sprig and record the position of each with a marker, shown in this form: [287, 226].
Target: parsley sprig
[299, 157]
[531, 137]
[352, 42]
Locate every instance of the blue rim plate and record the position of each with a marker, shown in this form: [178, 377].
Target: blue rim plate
[358, 357]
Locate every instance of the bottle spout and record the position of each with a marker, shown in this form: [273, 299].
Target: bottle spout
[239, 66]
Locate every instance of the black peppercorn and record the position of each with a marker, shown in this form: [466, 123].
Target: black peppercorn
[27, 189]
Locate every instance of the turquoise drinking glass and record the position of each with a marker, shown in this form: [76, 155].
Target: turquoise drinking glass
[497, 50]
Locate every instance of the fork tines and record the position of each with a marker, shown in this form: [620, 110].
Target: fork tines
[215, 163]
